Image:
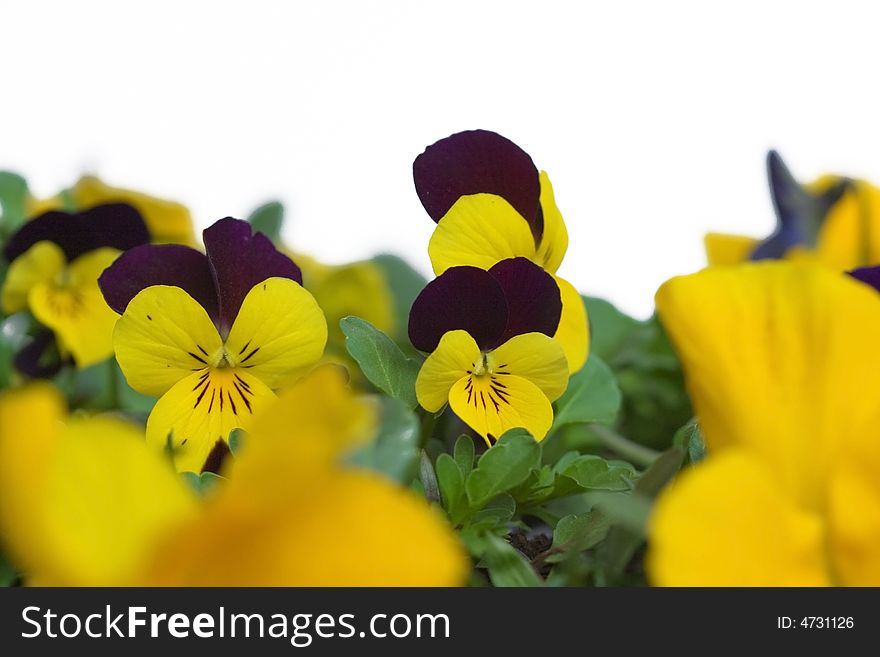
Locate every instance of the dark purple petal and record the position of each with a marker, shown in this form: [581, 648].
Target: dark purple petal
[869, 275]
[465, 298]
[117, 225]
[239, 260]
[534, 304]
[474, 162]
[39, 359]
[159, 264]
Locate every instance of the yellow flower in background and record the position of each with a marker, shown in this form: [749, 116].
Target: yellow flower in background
[211, 334]
[491, 204]
[834, 221]
[167, 221]
[84, 502]
[781, 362]
[54, 264]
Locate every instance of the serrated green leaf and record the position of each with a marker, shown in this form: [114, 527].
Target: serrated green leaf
[503, 466]
[592, 396]
[381, 360]
[464, 454]
[395, 450]
[269, 220]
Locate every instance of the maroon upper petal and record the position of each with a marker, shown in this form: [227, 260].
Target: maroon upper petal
[533, 300]
[240, 259]
[466, 298]
[116, 225]
[159, 264]
[474, 162]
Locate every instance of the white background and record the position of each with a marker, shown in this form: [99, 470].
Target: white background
[652, 118]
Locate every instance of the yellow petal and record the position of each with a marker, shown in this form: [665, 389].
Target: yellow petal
[842, 242]
[554, 241]
[573, 333]
[777, 357]
[724, 249]
[39, 264]
[480, 230]
[200, 410]
[163, 336]
[75, 309]
[490, 405]
[726, 523]
[279, 333]
[346, 529]
[535, 357]
[454, 356]
[167, 221]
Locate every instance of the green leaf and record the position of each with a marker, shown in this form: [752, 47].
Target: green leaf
[13, 197]
[498, 512]
[405, 284]
[609, 327]
[236, 439]
[381, 360]
[451, 483]
[579, 532]
[661, 472]
[8, 573]
[592, 396]
[690, 438]
[503, 466]
[268, 219]
[395, 450]
[591, 472]
[628, 510]
[464, 454]
[506, 565]
[428, 478]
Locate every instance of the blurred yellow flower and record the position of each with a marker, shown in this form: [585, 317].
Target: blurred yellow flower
[781, 362]
[84, 502]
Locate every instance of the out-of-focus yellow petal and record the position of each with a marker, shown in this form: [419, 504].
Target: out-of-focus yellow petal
[41, 263]
[75, 308]
[842, 242]
[554, 241]
[535, 357]
[346, 529]
[480, 230]
[869, 196]
[167, 221]
[163, 336]
[279, 333]
[200, 410]
[34, 207]
[777, 357]
[727, 522]
[357, 289]
[724, 249]
[85, 503]
[573, 333]
[491, 409]
[450, 361]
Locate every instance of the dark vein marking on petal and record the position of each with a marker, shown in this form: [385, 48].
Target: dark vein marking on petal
[211, 405]
[247, 358]
[246, 345]
[197, 357]
[243, 398]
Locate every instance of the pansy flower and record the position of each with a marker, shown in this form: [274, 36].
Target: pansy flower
[781, 361]
[212, 334]
[54, 264]
[490, 204]
[833, 220]
[491, 355]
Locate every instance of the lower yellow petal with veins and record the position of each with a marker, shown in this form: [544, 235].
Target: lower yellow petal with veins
[535, 357]
[573, 332]
[727, 522]
[480, 230]
[724, 249]
[492, 404]
[75, 309]
[201, 410]
[777, 357]
[41, 263]
[279, 333]
[455, 355]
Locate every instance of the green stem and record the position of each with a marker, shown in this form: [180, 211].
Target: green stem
[638, 454]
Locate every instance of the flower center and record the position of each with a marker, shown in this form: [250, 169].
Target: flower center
[481, 367]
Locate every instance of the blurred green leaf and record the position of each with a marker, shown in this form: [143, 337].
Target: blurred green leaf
[506, 565]
[451, 484]
[8, 573]
[203, 484]
[268, 219]
[405, 284]
[381, 360]
[428, 478]
[503, 466]
[609, 327]
[13, 198]
[690, 438]
[592, 396]
[464, 454]
[395, 450]
[576, 533]
[237, 438]
[628, 510]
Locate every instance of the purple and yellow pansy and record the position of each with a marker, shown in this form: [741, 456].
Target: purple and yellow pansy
[212, 334]
[491, 203]
[54, 264]
[491, 354]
